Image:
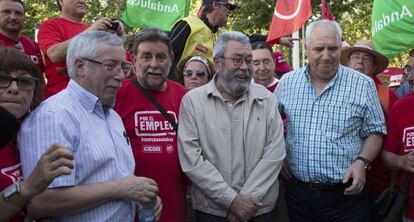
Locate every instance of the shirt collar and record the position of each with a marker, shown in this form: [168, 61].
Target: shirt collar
[339, 72]
[213, 28]
[88, 100]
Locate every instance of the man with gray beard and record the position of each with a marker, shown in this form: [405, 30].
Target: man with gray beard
[230, 139]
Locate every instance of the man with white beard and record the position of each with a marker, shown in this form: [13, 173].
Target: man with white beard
[230, 139]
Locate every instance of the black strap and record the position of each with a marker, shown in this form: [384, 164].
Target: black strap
[156, 104]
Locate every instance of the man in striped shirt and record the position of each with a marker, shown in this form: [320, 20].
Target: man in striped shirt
[335, 129]
[102, 186]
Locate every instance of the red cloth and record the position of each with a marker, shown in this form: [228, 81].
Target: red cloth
[289, 16]
[11, 170]
[326, 12]
[30, 48]
[400, 138]
[154, 143]
[51, 32]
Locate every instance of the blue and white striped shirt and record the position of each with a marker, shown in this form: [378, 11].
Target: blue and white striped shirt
[325, 133]
[77, 119]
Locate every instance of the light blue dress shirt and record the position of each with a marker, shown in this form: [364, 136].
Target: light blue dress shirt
[95, 134]
[325, 132]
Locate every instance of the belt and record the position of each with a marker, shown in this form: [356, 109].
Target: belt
[317, 186]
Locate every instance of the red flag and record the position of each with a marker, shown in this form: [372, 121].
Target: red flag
[326, 12]
[289, 16]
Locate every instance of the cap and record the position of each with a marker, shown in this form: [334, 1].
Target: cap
[281, 65]
[230, 6]
[394, 76]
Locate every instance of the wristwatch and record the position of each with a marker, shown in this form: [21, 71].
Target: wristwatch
[366, 161]
[12, 195]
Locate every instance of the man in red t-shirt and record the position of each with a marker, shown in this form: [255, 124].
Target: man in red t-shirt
[12, 18]
[55, 35]
[153, 137]
[364, 58]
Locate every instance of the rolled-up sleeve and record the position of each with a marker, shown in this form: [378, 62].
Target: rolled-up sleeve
[374, 121]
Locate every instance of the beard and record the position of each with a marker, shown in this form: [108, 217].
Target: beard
[230, 81]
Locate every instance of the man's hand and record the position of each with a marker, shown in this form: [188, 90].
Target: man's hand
[139, 189]
[102, 25]
[406, 162]
[55, 162]
[243, 207]
[287, 41]
[357, 172]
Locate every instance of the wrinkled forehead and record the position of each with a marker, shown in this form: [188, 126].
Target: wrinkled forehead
[238, 48]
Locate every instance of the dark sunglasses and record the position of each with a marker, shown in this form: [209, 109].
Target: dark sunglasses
[23, 82]
[199, 73]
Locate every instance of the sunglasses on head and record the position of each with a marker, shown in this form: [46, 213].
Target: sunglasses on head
[199, 73]
[23, 82]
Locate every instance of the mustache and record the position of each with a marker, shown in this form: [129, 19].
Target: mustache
[114, 83]
[242, 74]
[154, 71]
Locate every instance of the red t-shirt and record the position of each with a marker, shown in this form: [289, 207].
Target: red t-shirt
[154, 143]
[29, 47]
[10, 170]
[400, 138]
[51, 32]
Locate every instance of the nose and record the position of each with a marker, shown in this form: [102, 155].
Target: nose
[13, 88]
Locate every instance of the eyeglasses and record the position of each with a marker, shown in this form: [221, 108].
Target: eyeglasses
[23, 82]
[365, 58]
[189, 73]
[408, 69]
[238, 60]
[114, 66]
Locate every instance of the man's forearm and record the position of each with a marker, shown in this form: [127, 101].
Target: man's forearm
[372, 146]
[57, 52]
[58, 201]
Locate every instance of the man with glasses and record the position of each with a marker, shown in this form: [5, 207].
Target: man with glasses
[364, 58]
[406, 87]
[102, 186]
[194, 35]
[151, 129]
[230, 139]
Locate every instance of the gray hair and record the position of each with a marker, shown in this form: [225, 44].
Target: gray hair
[85, 45]
[326, 24]
[221, 44]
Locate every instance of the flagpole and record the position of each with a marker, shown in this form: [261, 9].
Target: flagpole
[295, 52]
[303, 44]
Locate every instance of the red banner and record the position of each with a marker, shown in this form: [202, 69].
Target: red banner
[326, 11]
[289, 16]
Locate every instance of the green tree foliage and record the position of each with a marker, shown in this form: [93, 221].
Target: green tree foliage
[251, 17]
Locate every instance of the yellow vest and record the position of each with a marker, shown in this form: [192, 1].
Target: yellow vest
[201, 39]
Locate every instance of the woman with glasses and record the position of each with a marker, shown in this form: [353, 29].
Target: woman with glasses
[19, 78]
[194, 71]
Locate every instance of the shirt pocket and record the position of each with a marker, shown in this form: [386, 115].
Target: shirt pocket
[342, 121]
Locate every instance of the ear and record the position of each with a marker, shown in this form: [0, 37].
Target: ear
[217, 64]
[172, 56]
[80, 68]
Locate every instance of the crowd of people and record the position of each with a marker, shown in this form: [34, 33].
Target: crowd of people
[205, 124]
